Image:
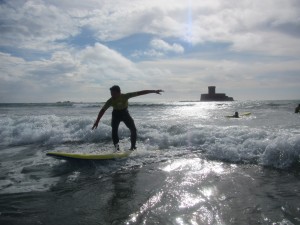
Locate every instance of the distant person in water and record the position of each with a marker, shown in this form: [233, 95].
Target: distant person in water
[119, 102]
[236, 115]
[297, 109]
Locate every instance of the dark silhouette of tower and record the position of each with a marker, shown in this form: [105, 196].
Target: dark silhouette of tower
[211, 90]
[213, 96]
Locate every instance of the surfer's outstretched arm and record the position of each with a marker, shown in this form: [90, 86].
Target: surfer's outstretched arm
[144, 92]
[100, 114]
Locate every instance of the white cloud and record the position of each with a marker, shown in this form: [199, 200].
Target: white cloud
[148, 53]
[35, 25]
[40, 24]
[85, 72]
[199, 21]
[86, 75]
[105, 65]
[270, 28]
[159, 48]
[267, 43]
[166, 47]
[194, 74]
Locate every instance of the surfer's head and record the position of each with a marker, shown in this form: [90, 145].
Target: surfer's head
[115, 91]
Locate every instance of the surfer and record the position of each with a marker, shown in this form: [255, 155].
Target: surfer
[297, 109]
[120, 113]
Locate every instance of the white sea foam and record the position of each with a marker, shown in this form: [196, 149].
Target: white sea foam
[269, 136]
[25, 171]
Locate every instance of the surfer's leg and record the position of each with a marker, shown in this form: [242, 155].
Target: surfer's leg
[129, 122]
[115, 122]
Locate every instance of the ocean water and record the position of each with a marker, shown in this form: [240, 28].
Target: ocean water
[193, 165]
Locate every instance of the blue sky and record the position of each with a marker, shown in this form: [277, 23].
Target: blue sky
[75, 50]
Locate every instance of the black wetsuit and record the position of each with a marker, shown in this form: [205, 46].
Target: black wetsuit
[123, 116]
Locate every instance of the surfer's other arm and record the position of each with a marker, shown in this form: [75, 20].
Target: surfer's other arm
[100, 114]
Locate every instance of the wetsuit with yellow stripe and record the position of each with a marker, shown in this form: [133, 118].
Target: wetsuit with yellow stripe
[121, 102]
[120, 114]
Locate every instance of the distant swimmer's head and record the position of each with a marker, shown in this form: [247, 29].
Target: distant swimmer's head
[115, 91]
[236, 114]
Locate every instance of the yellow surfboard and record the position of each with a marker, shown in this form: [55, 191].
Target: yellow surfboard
[66, 155]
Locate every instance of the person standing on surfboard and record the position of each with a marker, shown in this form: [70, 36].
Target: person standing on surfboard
[120, 113]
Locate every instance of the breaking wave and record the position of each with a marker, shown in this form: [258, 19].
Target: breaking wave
[235, 144]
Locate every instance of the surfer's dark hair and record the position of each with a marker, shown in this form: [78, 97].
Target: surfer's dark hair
[115, 88]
